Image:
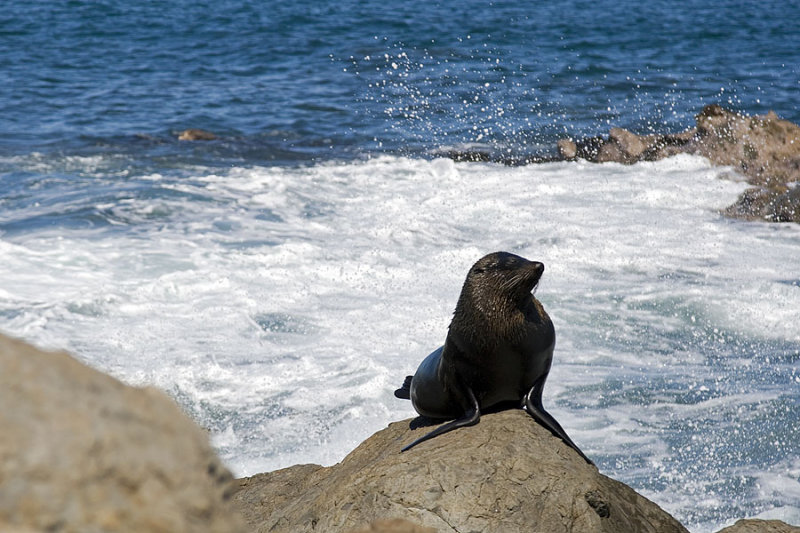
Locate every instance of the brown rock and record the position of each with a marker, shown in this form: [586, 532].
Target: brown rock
[80, 451]
[394, 525]
[714, 119]
[193, 134]
[764, 148]
[760, 526]
[668, 145]
[611, 152]
[282, 488]
[567, 148]
[630, 144]
[504, 474]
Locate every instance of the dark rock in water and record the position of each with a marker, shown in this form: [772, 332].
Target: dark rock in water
[787, 206]
[764, 148]
[471, 156]
[589, 148]
[487, 156]
[623, 146]
[80, 451]
[506, 474]
[770, 204]
[753, 204]
[760, 526]
[193, 134]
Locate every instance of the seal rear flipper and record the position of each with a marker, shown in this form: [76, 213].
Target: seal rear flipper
[533, 404]
[470, 418]
[404, 392]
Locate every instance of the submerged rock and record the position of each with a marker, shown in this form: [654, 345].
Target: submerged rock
[482, 155]
[764, 148]
[504, 474]
[771, 204]
[80, 451]
[193, 134]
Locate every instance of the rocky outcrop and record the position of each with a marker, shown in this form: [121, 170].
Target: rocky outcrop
[764, 148]
[503, 474]
[80, 451]
[760, 526]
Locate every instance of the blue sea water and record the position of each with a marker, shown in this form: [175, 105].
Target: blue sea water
[280, 281]
[313, 80]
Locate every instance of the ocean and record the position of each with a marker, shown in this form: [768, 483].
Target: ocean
[280, 281]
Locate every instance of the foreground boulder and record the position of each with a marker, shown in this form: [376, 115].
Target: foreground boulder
[764, 148]
[504, 474]
[80, 451]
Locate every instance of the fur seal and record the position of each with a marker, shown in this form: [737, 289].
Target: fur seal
[498, 349]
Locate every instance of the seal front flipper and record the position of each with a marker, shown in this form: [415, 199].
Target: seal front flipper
[470, 418]
[404, 392]
[533, 404]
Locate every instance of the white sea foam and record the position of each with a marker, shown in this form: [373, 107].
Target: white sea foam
[281, 307]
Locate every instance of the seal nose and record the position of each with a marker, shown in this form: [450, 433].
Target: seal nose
[533, 272]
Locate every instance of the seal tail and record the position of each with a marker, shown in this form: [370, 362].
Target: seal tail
[404, 392]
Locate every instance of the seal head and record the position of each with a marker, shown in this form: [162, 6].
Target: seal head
[499, 348]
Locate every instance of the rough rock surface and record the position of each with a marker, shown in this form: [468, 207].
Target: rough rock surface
[80, 451]
[760, 526]
[506, 474]
[764, 148]
[394, 525]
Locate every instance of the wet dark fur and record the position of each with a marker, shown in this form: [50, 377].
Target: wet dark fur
[498, 349]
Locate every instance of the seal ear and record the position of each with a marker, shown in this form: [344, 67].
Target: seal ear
[404, 392]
